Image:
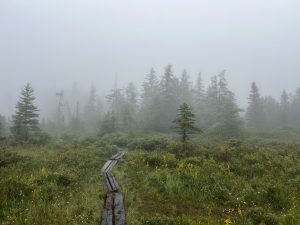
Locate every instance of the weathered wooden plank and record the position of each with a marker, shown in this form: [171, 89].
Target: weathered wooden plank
[112, 181]
[113, 212]
[116, 185]
[116, 156]
[106, 164]
[119, 211]
[108, 214]
[119, 156]
[111, 165]
[107, 185]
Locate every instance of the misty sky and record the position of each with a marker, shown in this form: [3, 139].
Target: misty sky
[52, 43]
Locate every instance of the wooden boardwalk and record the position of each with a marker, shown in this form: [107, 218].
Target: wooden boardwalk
[113, 211]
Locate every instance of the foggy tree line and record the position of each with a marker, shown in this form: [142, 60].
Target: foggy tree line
[266, 113]
[215, 108]
[154, 107]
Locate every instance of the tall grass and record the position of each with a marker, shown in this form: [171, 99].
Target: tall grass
[59, 184]
[234, 183]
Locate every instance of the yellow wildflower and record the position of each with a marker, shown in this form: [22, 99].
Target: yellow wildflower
[228, 221]
[44, 172]
[181, 165]
[239, 211]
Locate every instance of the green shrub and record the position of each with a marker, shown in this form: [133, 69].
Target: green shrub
[158, 159]
[150, 143]
[259, 215]
[58, 179]
[291, 219]
[119, 139]
[198, 161]
[8, 158]
[278, 198]
[40, 139]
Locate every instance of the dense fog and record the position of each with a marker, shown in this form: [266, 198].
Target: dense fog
[149, 112]
[71, 46]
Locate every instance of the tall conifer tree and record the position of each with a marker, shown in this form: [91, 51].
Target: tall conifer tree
[168, 100]
[92, 114]
[2, 125]
[149, 97]
[116, 100]
[221, 111]
[255, 115]
[25, 121]
[130, 109]
[285, 108]
[185, 124]
[185, 89]
[199, 100]
[295, 110]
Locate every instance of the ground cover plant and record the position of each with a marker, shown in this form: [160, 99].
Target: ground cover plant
[52, 184]
[214, 181]
[232, 183]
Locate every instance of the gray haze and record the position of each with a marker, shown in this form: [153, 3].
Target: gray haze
[54, 43]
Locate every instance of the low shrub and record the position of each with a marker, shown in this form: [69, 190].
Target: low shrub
[151, 143]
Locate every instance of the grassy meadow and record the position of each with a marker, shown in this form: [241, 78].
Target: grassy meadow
[249, 181]
[53, 184]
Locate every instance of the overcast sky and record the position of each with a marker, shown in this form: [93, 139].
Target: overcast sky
[52, 43]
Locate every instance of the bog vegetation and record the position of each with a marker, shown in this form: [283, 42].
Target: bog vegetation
[193, 155]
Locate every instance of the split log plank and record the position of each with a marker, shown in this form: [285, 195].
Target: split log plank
[107, 163]
[110, 166]
[112, 182]
[113, 212]
[119, 210]
[107, 216]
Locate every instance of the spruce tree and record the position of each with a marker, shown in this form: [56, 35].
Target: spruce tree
[285, 108]
[91, 105]
[130, 109]
[168, 100]
[199, 100]
[92, 116]
[211, 104]
[255, 114]
[273, 110]
[149, 99]
[295, 110]
[116, 100]
[185, 88]
[25, 121]
[108, 124]
[221, 112]
[2, 125]
[229, 120]
[75, 122]
[132, 98]
[60, 114]
[185, 123]
[150, 88]
[199, 90]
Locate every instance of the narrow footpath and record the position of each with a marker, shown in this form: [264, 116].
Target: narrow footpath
[113, 210]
